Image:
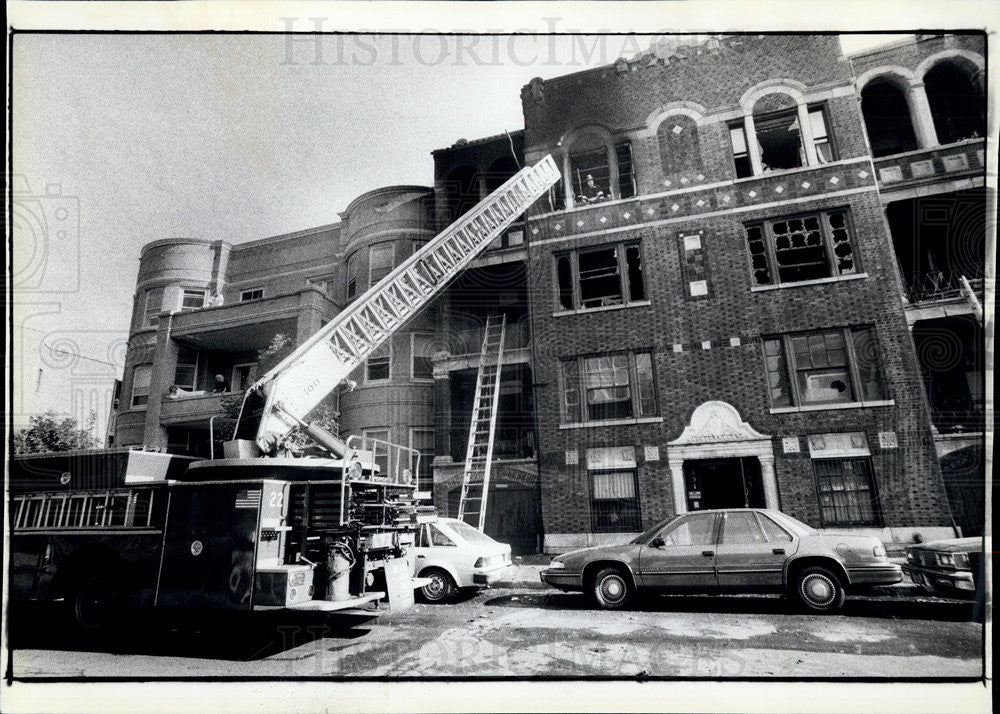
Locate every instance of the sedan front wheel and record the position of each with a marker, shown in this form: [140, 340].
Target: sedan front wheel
[611, 589]
[819, 590]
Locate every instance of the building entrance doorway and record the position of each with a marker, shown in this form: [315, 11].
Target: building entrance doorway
[723, 483]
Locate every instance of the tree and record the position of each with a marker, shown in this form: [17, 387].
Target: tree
[50, 432]
[324, 415]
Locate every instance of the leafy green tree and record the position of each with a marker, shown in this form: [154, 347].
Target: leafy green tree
[51, 431]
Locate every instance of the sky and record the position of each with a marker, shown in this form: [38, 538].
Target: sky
[120, 140]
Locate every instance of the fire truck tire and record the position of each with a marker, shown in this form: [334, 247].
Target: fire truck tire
[93, 602]
[440, 588]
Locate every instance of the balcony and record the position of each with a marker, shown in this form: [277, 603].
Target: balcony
[698, 201]
[245, 326]
[961, 160]
[194, 411]
[941, 294]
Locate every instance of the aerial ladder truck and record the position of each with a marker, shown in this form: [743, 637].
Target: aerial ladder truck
[260, 528]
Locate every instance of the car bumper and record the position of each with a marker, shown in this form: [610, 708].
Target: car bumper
[876, 575]
[959, 582]
[484, 578]
[561, 579]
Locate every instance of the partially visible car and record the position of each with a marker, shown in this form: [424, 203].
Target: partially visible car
[728, 551]
[952, 566]
[454, 555]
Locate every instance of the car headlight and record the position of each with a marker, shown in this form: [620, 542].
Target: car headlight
[879, 551]
[962, 560]
[946, 559]
[557, 565]
[911, 556]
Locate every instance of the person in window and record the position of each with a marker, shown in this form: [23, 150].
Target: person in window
[221, 385]
[592, 193]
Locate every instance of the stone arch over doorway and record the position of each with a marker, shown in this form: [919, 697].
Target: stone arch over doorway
[717, 431]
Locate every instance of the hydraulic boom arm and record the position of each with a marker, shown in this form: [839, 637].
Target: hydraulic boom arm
[281, 399]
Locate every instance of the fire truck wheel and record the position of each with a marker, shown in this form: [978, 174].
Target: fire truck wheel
[439, 588]
[93, 602]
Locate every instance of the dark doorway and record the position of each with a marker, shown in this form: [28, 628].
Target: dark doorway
[723, 483]
[513, 515]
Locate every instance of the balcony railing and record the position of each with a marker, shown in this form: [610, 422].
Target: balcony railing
[943, 285]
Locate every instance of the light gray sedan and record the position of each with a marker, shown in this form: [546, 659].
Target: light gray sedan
[732, 551]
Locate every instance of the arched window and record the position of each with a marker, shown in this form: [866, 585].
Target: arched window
[680, 148]
[598, 168]
[499, 172]
[887, 118]
[786, 134]
[957, 105]
[589, 159]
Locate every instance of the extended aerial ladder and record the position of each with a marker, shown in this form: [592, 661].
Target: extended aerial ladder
[479, 455]
[281, 400]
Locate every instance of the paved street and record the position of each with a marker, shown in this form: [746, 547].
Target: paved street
[544, 633]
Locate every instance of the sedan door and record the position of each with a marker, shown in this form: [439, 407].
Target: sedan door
[749, 556]
[682, 556]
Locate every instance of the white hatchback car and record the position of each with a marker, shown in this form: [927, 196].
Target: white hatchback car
[454, 555]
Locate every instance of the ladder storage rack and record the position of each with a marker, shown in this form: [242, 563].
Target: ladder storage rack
[479, 455]
[282, 398]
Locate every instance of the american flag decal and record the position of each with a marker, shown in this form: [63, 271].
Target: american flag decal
[248, 498]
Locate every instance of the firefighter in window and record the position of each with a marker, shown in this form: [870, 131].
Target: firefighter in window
[591, 192]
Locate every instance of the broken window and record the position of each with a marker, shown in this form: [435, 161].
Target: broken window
[600, 277]
[626, 179]
[778, 136]
[613, 386]
[887, 119]
[830, 367]
[801, 248]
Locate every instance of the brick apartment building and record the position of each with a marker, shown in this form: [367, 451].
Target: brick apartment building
[769, 296]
